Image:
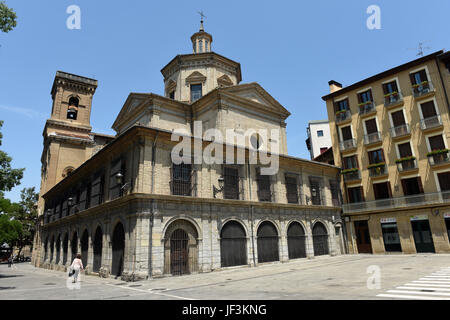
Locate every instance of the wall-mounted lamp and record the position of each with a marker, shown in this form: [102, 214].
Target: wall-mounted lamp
[120, 181]
[435, 212]
[70, 202]
[221, 181]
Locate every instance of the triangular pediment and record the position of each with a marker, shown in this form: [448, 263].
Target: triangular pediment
[224, 81]
[255, 93]
[195, 77]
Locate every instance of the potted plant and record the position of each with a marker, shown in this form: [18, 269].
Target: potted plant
[351, 170]
[404, 159]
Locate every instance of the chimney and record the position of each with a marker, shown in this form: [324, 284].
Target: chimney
[334, 86]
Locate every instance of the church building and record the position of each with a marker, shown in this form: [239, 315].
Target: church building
[132, 211]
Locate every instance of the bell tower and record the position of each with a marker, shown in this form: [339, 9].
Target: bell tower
[201, 40]
[68, 140]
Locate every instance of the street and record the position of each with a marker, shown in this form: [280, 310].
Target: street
[422, 276]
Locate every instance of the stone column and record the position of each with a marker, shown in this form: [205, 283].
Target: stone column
[157, 249]
[284, 251]
[309, 240]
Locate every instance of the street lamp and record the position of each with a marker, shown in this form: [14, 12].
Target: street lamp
[120, 181]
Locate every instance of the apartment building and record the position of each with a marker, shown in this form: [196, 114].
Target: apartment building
[390, 135]
[319, 140]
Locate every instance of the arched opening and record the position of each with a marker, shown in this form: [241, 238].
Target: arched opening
[118, 247]
[72, 110]
[52, 248]
[233, 245]
[267, 243]
[296, 241]
[84, 248]
[98, 245]
[74, 245]
[46, 249]
[58, 249]
[181, 248]
[65, 248]
[320, 239]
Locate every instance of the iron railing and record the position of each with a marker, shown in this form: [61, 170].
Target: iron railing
[422, 89]
[343, 116]
[400, 131]
[378, 171]
[431, 122]
[400, 202]
[352, 176]
[392, 99]
[439, 158]
[372, 138]
[347, 144]
[407, 165]
[367, 108]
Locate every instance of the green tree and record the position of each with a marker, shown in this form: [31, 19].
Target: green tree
[9, 230]
[8, 18]
[9, 177]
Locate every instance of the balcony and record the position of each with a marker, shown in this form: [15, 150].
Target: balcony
[424, 199]
[351, 174]
[367, 108]
[406, 164]
[431, 122]
[400, 131]
[372, 138]
[423, 89]
[347, 145]
[393, 99]
[343, 116]
[377, 170]
[438, 157]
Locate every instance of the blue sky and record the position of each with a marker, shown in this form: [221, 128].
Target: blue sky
[291, 48]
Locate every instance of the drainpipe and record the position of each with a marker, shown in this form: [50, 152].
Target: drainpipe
[251, 211]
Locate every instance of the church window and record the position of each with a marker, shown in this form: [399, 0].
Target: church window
[72, 111]
[172, 95]
[200, 46]
[196, 92]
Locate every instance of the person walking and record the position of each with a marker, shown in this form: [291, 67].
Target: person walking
[76, 266]
[10, 258]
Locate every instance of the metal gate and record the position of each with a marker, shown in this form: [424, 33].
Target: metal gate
[97, 250]
[84, 248]
[422, 236]
[296, 241]
[118, 247]
[179, 253]
[320, 240]
[233, 245]
[267, 243]
[65, 248]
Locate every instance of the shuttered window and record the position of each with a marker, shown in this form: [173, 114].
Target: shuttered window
[114, 187]
[350, 162]
[398, 118]
[315, 186]
[371, 126]
[231, 183]
[264, 186]
[436, 142]
[428, 109]
[355, 195]
[346, 133]
[182, 179]
[390, 87]
[97, 191]
[405, 150]
[418, 77]
[382, 190]
[444, 181]
[291, 189]
[376, 156]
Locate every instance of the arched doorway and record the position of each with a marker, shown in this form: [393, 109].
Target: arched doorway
[233, 245]
[98, 246]
[296, 241]
[58, 249]
[84, 248]
[320, 239]
[65, 248]
[180, 248]
[118, 247]
[74, 246]
[52, 248]
[267, 242]
[46, 249]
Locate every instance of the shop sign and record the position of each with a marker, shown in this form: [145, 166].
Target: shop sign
[419, 217]
[388, 220]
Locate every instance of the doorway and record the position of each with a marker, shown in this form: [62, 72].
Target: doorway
[422, 236]
[363, 237]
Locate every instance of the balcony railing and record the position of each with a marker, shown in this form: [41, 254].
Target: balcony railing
[400, 131]
[431, 122]
[406, 165]
[392, 99]
[379, 170]
[342, 116]
[367, 108]
[347, 144]
[372, 138]
[427, 199]
[421, 89]
[351, 175]
[439, 158]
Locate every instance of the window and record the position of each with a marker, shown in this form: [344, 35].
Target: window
[412, 186]
[200, 46]
[350, 162]
[382, 190]
[291, 189]
[181, 183]
[371, 126]
[322, 150]
[436, 142]
[115, 188]
[342, 105]
[418, 77]
[346, 133]
[390, 237]
[320, 133]
[206, 46]
[355, 194]
[428, 110]
[172, 95]
[231, 183]
[398, 118]
[376, 156]
[72, 110]
[365, 96]
[404, 150]
[390, 87]
[264, 186]
[315, 190]
[196, 92]
[97, 189]
[334, 188]
[444, 181]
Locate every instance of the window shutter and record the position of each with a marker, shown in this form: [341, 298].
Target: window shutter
[436, 143]
[114, 187]
[382, 155]
[193, 180]
[362, 194]
[82, 203]
[96, 191]
[65, 208]
[419, 182]
[241, 172]
[412, 78]
[385, 88]
[389, 189]
[428, 109]
[404, 187]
